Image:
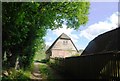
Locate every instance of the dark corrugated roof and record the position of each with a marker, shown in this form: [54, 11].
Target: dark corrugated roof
[106, 42]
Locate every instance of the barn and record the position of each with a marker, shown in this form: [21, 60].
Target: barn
[62, 47]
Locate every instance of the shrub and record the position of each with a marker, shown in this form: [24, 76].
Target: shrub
[44, 61]
[17, 75]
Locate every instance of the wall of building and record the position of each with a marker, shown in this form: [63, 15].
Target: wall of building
[63, 48]
[64, 44]
[63, 53]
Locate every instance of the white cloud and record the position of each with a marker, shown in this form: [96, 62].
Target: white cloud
[98, 28]
[49, 39]
[91, 32]
[67, 31]
[49, 43]
[63, 30]
[59, 31]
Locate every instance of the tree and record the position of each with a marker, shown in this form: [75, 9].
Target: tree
[25, 24]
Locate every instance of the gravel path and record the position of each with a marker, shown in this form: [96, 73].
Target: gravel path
[36, 72]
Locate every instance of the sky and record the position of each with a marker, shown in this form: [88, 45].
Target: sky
[103, 17]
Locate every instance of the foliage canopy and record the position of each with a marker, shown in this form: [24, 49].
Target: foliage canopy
[24, 25]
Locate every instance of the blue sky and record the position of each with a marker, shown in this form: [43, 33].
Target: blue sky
[103, 17]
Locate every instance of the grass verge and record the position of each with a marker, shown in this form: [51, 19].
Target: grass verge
[48, 74]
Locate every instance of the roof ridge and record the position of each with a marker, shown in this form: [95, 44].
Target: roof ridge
[64, 36]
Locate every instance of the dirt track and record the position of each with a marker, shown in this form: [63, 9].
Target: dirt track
[36, 72]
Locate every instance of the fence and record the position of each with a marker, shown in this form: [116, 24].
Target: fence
[95, 66]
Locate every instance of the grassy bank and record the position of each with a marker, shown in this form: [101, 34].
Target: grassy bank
[48, 74]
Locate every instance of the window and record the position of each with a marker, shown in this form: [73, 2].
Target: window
[65, 42]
